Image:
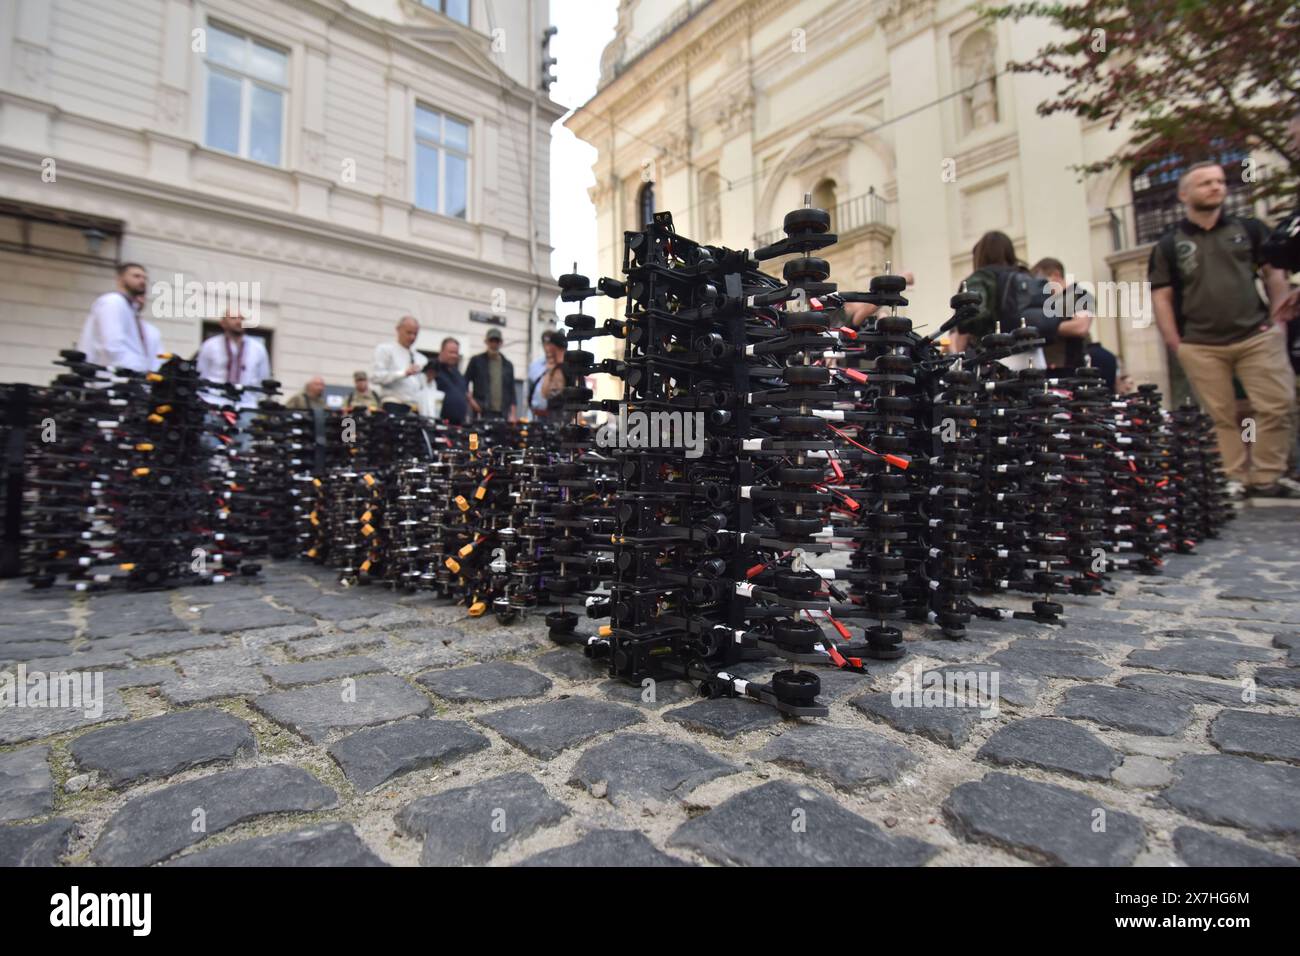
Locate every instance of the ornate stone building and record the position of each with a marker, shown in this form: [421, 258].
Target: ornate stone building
[357, 159]
[897, 115]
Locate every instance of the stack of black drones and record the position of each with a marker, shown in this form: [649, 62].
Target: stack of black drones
[135, 479]
[754, 431]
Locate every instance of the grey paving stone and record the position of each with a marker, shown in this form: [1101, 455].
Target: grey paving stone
[81, 661]
[409, 661]
[1043, 822]
[161, 746]
[1022, 690]
[26, 786]
[38, 844]
[949, 724]
[1237, 791]
[1050, 745]
[784, 824]
[1086, 623]
[1197, 847]
[14, 652]
[498, 680]
[571, 663]
[1123, 709]
[466, 826]
[545, 729]
[142, 647]
[1194, 691]
[1048, 663]
[154, 826]
[1287, 641]
[248, 615]
[118, 615]
[1188, 633]
[344, 704]
[296, 675]
[327, 844]
[605, 848]
[1213, 658]
[139, 677]
[387, 619]
[334, 644]
[651, 696]
[639, 767]
[211, 675]
[1288, 677]
[21, 724]
[1267, 736]
[847, 757]
[264, 637]
[1143, 773]
[725, 717]
[372, 757]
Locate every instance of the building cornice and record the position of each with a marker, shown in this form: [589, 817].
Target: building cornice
[215, 209]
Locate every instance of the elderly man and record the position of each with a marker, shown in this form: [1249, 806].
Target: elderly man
[234, 358]
[114, 334]
[311, 397]
[397, 366]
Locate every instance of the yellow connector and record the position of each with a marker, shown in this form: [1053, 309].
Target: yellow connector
[127, 567]
[453, 565]
[477, 608]
[140, 472]
[606, 630]
[473, 441]
[461, 503]
[480, 492]
[466, 551]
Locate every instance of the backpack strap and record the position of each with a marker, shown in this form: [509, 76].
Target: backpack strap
[1167, 245]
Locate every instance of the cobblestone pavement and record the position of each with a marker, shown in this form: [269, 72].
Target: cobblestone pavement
[293, 722]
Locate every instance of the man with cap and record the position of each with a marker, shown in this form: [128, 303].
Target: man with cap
[492, 379]
[362, 396]
[397, 366]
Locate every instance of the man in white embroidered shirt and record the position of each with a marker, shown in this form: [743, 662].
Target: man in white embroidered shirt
[234, 358]
[114, 334]
[397, 366]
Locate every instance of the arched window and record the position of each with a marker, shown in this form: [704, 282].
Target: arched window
[823, 197]
[645, 203]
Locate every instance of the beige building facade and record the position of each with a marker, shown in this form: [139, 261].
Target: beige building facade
[350, 161]
[897, 115]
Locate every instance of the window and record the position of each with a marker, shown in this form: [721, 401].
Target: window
[247, 81]
[458, 10]
[441, 163]
[645, 204]
[823, 197]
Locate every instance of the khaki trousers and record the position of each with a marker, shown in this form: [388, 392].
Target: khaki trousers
[1260, 363]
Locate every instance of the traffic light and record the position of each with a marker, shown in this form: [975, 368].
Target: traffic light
[548, 61]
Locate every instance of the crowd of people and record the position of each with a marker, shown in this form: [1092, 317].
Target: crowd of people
[1219, 288]
[116, 333]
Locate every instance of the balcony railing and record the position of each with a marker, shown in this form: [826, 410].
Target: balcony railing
[869, 209]
[658, 35]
